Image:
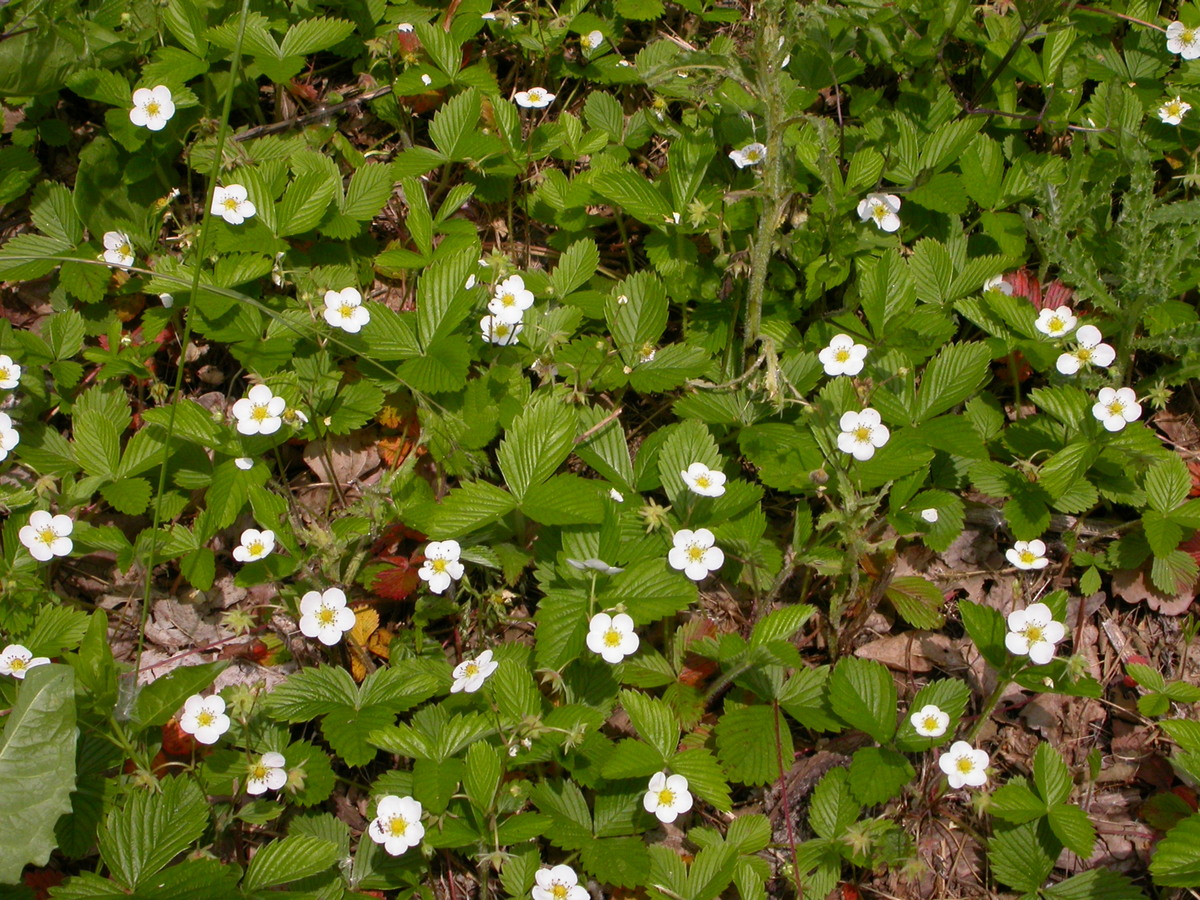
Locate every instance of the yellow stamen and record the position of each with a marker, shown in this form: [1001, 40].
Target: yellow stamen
[347, 310]
[666, 797]
[965, 764]
[153, 109]
[930, 723]
[398, 826]
[48, 536]
[612, 638]
[842, 355]
[204, 719]
[862, 434]
[326, 616]
[256, 548]
[695, 553]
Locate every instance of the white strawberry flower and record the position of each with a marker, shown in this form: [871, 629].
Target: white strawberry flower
[259, 412]
[9, 436]
[862, 433]
[704, 481]
[47, 536]
[1033, 632]
[534, 98]
[344, 309]
[930, 515]
[266, 774]
[1056, 323]
[1114, 408]
[594, 565]
[497, 331]
[591, 41]
[964, 765]
[616, 495]
[1028, 555]
[404, 27]
[167, 300]
[470, 674]
[245, 463]
[882, 209]
[843, 356]
[558, 883]
[1183, 40]
[16, 661]
[694, 553]
[152, 107]
[612, 637]
[750, 155]
[255, 545]
[426, 80]
[1173, 111]
[118, 249]
[232, 204]
[324, 616]
[204, 718]
[929, 721]
[667, 796]
[1090, 352]
[10, 373]
[397, 824]
[441, 565]
[997, 283]
[511, 300]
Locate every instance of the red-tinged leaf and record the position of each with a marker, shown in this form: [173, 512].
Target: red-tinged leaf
[397, 582]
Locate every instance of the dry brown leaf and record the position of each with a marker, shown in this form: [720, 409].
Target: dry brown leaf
[1133, 587]
[913, 651]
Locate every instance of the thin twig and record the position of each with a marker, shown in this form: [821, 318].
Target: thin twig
[312, 117]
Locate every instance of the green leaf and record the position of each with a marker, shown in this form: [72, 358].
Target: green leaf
[56, 629]
[747, 747]
[482, 775]
[575, 267]
[1167, 484]
[1051, 775]
[1095, 884]
[468, 507]
[304, 203]
[1071, 825]
[863, 694]
[954, 375]
[638, 319]
[563, 802]
[1176, 860]
[781, 624]
[634, 194]
[832, 808]
[369, 189]
[313, 35]
[442, 298]
[151, 828]
[805, 698]
[562, 624]
[355, 405]
[288, 859]
[654, 720]
[1023, 856]
[53, 210]
[37, 768]
[985, 626]
[649, 590]
[705, 777]
[1015, 802]
[130, 496]
[538, 442]
[347, 731]
[619, 861]
[566, 500]
[312, 692]
[163, 697]
[605, 450]
[877, 774]
[454, 126]
[918, 600]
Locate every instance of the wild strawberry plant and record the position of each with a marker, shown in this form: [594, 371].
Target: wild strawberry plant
[635, 355]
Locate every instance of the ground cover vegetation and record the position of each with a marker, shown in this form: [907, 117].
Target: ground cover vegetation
[615, 448]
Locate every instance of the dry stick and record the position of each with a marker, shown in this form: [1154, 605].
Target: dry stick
[312, 117]
[599, 425]
[783, 799]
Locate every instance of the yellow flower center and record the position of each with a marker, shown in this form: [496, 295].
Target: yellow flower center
[695, 553]
[880, 212]
[703, 481]
[842, 355]
[501, 330]
[326, 616]
[1174, 109]
[256, 548]
[4, 374]
[471, 670]
[205, 718]
[438, 565]
[18, 665]
[259, 413]
[507, 299]
[125, 249]
[666, 797]
[347, 310]
[1116, 408]
[47, 536]
[536, 95]
[1027, 558]
[230, 203]
[1033, 633]
[930, 723]
[612, 638]
[1083, 354]
[153, 109]
[862, 434]
[1188, 36]
[397, 826]
[1055, 323]
[258, 772]
[965, 764]
[559, 891]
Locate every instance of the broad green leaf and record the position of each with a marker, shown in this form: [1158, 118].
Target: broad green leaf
[619, 861]
[1073, 828]
[636, 312]
[877, 774]
[747, 744]
[832, 808]
[654, 720]
[1176, 860]
[482, 775]
[1167, 484]
[566, 500]
[289, 859]
[538, 442]
[313, 35]
[950, 378]
[564, 802]
[688, 442]
[369, 189]
[918, 600]
[985, 626]
[1023, 856]
[605, 449]
[163, 697]
[650, 590]
[575, 267]
[705, 777]
[53, 211]
[455, 125]
[1051, 775]
[1015, 802]
[304, 203]
[37, 768]
[1095, 884]
[634, 194]
[781, 624]
[863, 694]
[151, 828]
